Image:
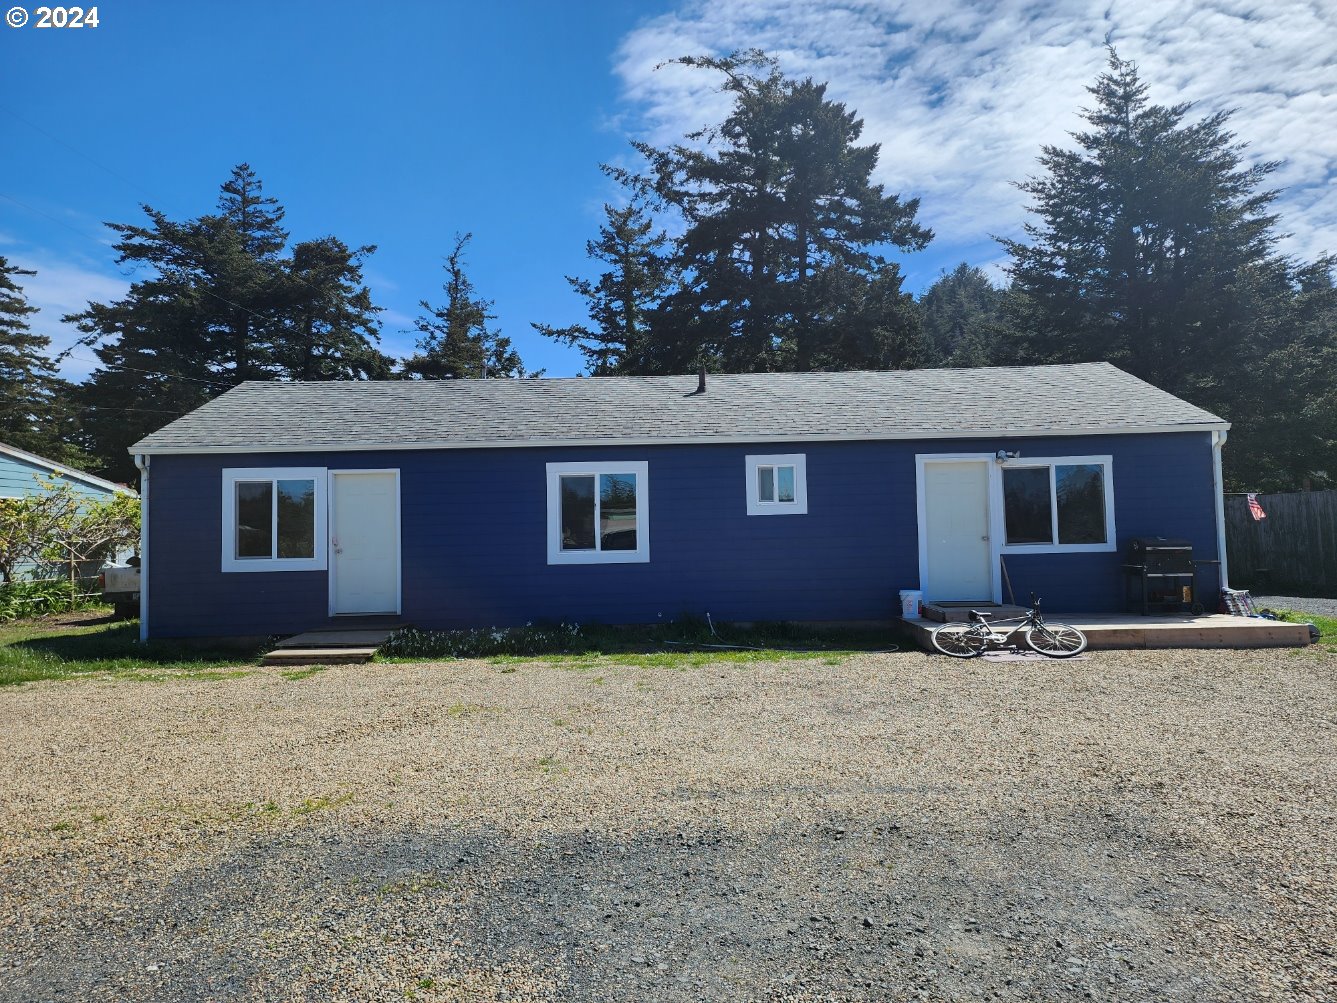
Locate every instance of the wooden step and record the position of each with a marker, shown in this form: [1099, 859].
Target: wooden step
[318, 656]
[961, 614]
[337, 639]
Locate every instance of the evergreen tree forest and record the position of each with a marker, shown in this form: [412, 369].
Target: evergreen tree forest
[37, 412]
[758, 243]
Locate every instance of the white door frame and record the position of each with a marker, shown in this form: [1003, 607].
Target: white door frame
[993, 499]
[399, 542]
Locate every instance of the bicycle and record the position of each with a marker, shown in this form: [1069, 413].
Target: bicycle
[966, 640]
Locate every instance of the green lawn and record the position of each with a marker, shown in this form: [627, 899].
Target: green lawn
[682, 643]
[88, 643]
[1327, 627]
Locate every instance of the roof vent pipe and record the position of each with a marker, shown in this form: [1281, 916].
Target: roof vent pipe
[701, 380]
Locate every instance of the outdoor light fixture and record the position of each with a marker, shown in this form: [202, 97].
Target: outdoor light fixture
[1003, 455]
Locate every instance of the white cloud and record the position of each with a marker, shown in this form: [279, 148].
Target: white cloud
[962, 95]
[63, 286]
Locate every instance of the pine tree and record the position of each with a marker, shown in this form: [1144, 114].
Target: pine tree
[330, 329]
[1284, 408]
[962, 317]
[780, 208]
[35, 413]
[1145, 234]
[622, 301]
[1155, 250]
[219, 301]
[250, 240]
[456, 341]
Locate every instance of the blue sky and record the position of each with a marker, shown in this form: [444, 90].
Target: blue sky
[398, 125]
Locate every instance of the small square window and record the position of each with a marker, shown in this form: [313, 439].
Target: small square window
[777, 485]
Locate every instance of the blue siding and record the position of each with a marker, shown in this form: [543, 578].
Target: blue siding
[19, 478]
[475, 551]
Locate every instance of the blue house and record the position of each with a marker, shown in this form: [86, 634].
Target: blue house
[281, 507]
[23, 474]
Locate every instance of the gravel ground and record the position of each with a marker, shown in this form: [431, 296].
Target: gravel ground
[1301, 604]
[1136, 826]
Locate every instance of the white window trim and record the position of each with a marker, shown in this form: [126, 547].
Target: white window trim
[1111, 536]
[231, 475]
[641, 555]
[799, 506]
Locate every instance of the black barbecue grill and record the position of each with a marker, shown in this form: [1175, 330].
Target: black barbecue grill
[1160, 576]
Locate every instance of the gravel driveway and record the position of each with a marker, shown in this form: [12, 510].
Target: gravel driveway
[1134, 826]
[1301, 604]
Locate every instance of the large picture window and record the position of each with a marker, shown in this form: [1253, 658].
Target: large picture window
[597, 513]
[1063, 503]
[777, 484]
[274, 519]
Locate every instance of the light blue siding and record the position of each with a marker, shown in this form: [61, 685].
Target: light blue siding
[19, 478]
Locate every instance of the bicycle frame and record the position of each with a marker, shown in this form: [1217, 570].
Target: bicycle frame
[985, 628]
[966, 640]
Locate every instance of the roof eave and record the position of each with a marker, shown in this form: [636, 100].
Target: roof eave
[61, 470]
[141, 448]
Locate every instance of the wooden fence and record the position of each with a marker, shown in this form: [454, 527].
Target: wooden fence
[1293, 550]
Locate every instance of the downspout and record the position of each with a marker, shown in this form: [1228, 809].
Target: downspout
[1219, 437]
[142, 462]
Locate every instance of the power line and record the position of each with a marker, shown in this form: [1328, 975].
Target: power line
[53, 219]
[115, 174]
[129, 410]
[198, 287]
[71, 147]
[68, 353]
[147, 372]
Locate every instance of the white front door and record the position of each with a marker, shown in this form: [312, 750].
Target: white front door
[958, 556]
[364, 541]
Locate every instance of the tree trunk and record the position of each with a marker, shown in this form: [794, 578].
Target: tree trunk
[802, 330]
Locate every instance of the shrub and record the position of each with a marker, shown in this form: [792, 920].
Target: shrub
[24, 600]
[544, 639]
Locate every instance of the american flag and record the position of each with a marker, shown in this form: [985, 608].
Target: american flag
[1255, 509]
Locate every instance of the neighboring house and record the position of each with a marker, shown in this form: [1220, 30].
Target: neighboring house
[23, 474]
[281, 507]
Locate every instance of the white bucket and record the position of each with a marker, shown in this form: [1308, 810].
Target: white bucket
[910, 603]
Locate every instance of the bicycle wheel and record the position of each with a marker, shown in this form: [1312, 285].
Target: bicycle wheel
[1056, 640]
[960, 640]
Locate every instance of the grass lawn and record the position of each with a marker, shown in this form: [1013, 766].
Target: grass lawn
[90, 642]
[678, 644]
[1327, 627]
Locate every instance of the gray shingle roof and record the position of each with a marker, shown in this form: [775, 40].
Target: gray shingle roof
[761, 407]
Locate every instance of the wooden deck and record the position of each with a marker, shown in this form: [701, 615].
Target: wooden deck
[1118, 630]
